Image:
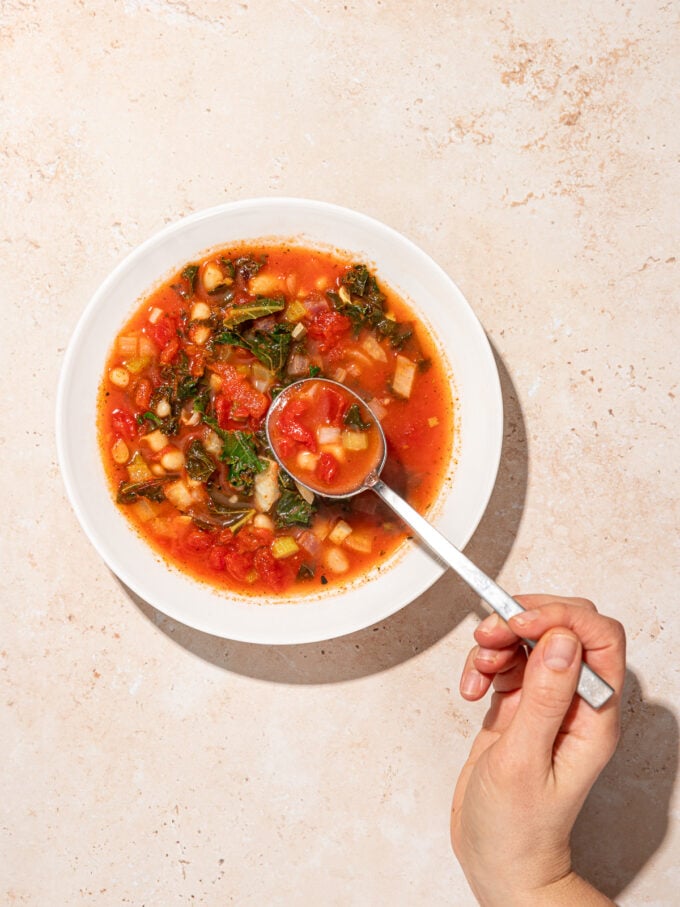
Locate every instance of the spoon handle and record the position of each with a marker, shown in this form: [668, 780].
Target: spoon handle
[591, 687]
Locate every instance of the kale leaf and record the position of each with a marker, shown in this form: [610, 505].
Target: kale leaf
[247, 267]
[293, 510]
[190, 273]
[271, 347]
[149, 488]
[257, 308]
[356, 279]
[353, 419]
[199, 463]
[238, 451]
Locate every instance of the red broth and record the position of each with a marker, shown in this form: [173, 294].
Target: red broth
[187, 386]
[324, 437]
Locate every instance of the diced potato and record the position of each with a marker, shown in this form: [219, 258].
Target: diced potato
[147, 348]
[156, 440]
[200, 334]
[307, 460]
[305, 493]
[212, 277]
[128, 344]
[404, 374]
[295, 311]
[359, 542]
[266, 486]
[262, 521]
[172, 460]
[144, 510]
[298, 331]
[339, 532]
[284, 546]
[345, 294]
[432, 421]
[373, 348]
[163, 409]
[164, 527]
[178, 494]
[327, 434]
[138, 470]
[154, 315]
[264, 284]
[119, 376]
[321, 527]
[354, 440]
[215, 381]
[200, 311]
[261, 378]
[336, 560]
[120, 452]
[336, 450]
[212, 443]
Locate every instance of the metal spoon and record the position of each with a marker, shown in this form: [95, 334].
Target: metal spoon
[591, 687]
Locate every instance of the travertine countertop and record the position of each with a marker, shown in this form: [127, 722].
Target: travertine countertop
[531, 149]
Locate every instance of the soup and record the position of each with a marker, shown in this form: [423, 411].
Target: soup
[186, 390]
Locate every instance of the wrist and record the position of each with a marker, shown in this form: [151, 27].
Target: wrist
[569, 891]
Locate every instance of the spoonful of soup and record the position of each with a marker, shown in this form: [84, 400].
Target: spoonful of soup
[333, 445]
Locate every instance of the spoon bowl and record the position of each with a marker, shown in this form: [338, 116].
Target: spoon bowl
[363, 473]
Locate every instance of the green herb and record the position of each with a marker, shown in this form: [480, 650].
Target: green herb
[148, 416]
[199, 463]
[247, 267]
[270, 347]
[149, 488]
[228, 266]
[248, 311]
[356, 279]
[293, 510]
[238, 451]
[305, 572]
[314, 370]
[187, 387]
[189, 273]
[397, 331]
[324, 581]
[230, 338]
[353, 418]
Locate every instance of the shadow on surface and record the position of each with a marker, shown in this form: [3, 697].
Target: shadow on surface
[412, 629]
[625, 818]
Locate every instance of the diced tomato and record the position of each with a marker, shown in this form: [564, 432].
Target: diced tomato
[163, 331]
[327, 328]
[217, 557]
[143, 393]
[198, 541]
[245, 401]
[327, 468]
[290, 426]
[269, 569]
[238, 564]
[331, 407]
[169, 351]
[250, 538]
[123, 424]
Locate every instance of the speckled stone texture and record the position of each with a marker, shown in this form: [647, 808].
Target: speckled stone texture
[531, 149]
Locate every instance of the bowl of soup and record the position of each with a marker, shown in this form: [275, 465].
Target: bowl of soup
[165, 390]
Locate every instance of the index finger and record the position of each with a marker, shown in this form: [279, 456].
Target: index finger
[494, 633]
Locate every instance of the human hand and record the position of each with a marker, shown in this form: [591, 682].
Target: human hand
[538, 753]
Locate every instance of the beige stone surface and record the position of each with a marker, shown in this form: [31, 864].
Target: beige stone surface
[531, 149]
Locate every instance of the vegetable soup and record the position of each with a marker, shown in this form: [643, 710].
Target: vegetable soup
[187, 387]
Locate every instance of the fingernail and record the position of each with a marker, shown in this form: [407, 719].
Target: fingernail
[471, 683]
[524, 618]
[491, 623]
[559, 652]
[487, 656]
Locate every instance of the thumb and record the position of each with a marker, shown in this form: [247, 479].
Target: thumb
[550, 679]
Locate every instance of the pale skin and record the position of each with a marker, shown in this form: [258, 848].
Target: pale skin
[538, 753]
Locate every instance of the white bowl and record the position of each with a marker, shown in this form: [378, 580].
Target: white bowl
[399, 264]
